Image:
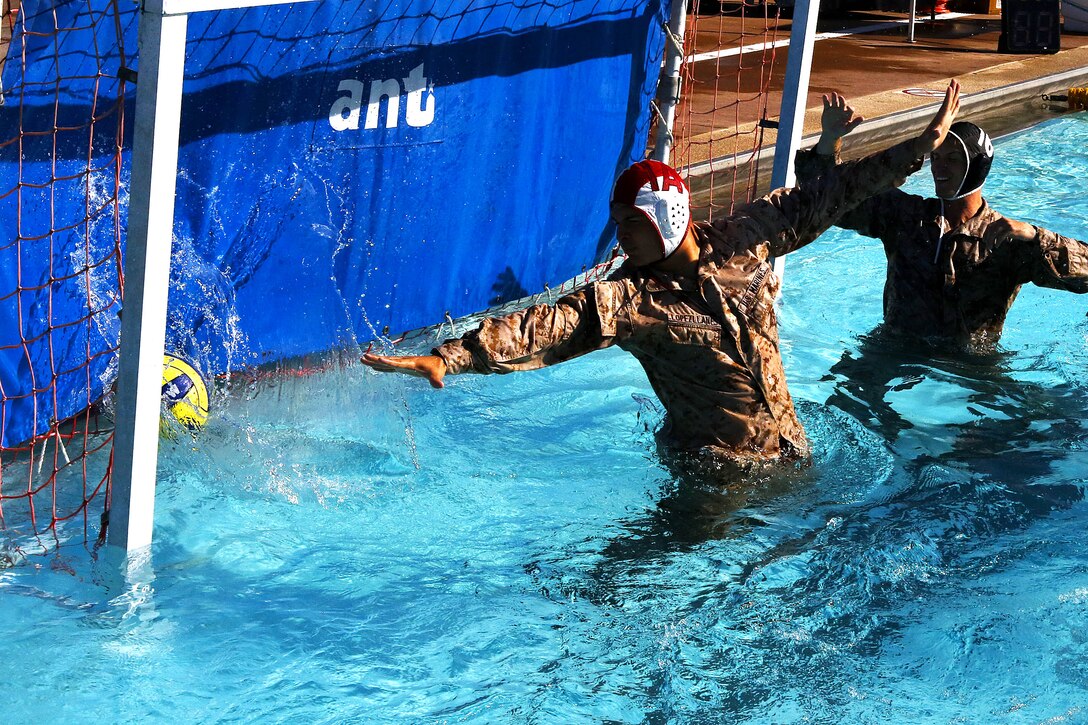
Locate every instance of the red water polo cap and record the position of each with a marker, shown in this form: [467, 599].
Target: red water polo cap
[657, 190]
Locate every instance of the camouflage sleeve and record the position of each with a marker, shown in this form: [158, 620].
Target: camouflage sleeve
[1051, 260]
[880, 216]
[529, 339]
[809, 163]
[792, 218]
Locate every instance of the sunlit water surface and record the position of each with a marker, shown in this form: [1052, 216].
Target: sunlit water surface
[353, 547]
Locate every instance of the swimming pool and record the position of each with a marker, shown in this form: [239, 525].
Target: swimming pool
[355, 547]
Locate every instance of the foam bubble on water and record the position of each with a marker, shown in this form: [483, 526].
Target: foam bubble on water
[1077, 596]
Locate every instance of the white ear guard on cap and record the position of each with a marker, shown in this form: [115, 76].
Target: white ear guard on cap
[664, 223]
[668, 211]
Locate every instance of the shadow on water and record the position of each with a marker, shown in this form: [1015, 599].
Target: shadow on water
[980, 452]
[700, 500]
[1014, 427]
[706, 498]
[987, 455]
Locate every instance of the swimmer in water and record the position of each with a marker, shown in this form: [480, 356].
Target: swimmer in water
[693, 302]
[955, 264]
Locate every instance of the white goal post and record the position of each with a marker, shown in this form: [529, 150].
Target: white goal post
[791, 116]
[162, 37]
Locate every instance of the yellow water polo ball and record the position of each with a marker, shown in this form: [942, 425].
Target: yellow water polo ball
[184, 392]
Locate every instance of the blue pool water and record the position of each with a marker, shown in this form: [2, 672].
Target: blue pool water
[349, 547]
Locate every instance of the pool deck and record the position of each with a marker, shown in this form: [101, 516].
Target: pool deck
[882, 74]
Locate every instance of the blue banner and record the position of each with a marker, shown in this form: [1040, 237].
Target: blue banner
[344, 169]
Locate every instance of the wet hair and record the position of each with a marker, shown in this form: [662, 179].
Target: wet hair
[979, 151]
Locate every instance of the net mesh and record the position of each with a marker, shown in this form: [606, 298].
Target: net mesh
[730, 86]
[54, 470]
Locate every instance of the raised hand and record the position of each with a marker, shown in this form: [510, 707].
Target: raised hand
[937, 130]
[431, 367]
[838, 119]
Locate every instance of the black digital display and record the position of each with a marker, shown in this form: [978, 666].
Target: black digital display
[1030, 26]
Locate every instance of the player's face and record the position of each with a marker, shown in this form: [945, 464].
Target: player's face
[949, 166]
[637, 236]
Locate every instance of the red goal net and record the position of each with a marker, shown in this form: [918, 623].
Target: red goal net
[732, 84]
[60, 197]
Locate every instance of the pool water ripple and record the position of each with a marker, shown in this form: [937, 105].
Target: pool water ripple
[361, 548]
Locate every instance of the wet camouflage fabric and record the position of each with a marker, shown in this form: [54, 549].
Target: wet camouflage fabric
[709, 345]
[951, 286]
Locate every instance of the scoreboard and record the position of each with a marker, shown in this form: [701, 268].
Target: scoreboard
[1030, 26]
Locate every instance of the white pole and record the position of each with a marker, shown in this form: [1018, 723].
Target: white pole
[791, 119]
[147, 275]
[668, 90]
[910, 24]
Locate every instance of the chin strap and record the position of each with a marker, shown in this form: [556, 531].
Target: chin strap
[943, 229]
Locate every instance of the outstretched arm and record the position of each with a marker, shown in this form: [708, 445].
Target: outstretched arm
[1041, 256]
[531, 338]
[431, 367]
[876, 216]
[1007, 230]
[808, 210]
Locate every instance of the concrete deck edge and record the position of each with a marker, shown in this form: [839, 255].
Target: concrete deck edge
[892, 127]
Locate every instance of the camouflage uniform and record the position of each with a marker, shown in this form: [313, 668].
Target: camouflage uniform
[709, 345]
[950, 286]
